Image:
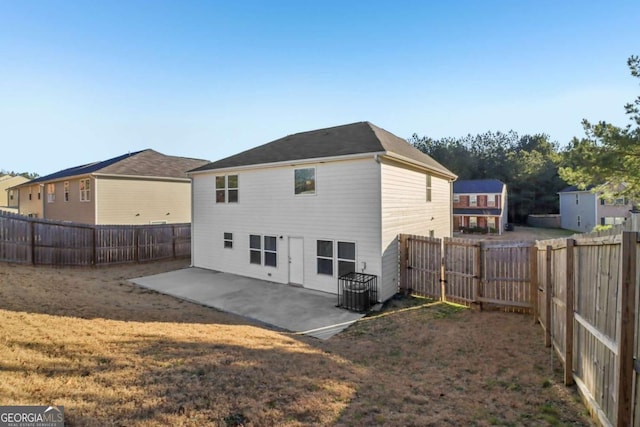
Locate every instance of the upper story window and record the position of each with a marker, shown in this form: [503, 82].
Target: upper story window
[456, 198]
[66, 191]
[473, 200]
[491, 201]
[51, 193]
[227, 189]
[577, 200]
[85, 190]
[10, 194]
[305, 181]
[428, 188]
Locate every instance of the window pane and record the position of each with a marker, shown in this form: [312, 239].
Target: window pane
[233, 196]
[269, 243]
[325, 248]
[346, 250]
[254, 257]
[325, 266]
[228, 244]
[228, 236]
[220, 196]
[232, 181]
[345, 267]
[254, 242]
[220, 182]
[270, 259]
[305, 181]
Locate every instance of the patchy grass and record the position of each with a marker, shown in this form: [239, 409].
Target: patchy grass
[116, 354]
[522, 233]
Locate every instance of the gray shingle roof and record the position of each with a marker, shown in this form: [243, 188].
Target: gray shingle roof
[140, 163]
[345, 140]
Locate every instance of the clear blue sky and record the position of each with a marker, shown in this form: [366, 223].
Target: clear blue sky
[82, 81]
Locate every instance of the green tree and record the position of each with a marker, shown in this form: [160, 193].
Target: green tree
[609, 156]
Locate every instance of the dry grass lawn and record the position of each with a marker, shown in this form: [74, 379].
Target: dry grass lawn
[116, 354]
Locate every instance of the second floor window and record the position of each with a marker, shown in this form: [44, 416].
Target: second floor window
[491, 201]
[227, 189]
[473, 200]
[305, 181]
[85, 190]
[428, 188]
[51, 193]
[66, 191]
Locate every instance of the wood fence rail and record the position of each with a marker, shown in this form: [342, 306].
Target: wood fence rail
[43, 242]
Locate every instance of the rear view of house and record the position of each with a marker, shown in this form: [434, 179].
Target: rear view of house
[310, 207]
[582, 210]
[144, 187]
[480, 204]
[9, 194]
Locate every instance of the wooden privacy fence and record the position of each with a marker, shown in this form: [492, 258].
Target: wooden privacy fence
[469, 271]
[587, 294]
[37, 241]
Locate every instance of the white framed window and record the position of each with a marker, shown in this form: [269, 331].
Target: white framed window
[428, 182]
[51, 193]
[85, 190]
[227, 189]
[473, 221]
[228, 240]
[346, 258]
[579, 220]
[304, 181]
[66, 191]
[473, 200]
[263, 250]
[491, 222]
[577, 200]
[324, 254]
[491, 201]
[456, 198]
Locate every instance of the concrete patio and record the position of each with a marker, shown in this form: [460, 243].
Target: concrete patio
[286, 307]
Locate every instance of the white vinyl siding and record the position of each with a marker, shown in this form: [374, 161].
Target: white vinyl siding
[345, 213]
[584, 209]
[404, 210]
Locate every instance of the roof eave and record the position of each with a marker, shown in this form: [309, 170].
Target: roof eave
[397, 157]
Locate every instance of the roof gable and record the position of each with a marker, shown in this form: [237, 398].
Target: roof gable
[344, 140]
[473, 186]
[140, 163]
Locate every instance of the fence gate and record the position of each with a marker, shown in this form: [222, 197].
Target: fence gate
[423, 265]
[461, 270]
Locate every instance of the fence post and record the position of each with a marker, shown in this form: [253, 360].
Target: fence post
[548, 289]
[569, 308]
[626, 331]
[404, 262]
[477, 261]
[173, 240]
[94, 256]
[533, 276]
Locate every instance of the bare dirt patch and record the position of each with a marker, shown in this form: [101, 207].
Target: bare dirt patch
[116, 354]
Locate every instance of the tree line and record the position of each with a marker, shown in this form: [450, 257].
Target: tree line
[535, 168]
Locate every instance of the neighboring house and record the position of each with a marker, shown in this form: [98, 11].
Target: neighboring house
[480, 203]
[309, 207]
[144, 187]
[582, 210]
[9, 195]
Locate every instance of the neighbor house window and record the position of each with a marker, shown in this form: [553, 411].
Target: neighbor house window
[456, 198]
[257, 249]
[324, 253]
[227, 189]
[39, 194]
[305, 181]
[30, 195]
[491, 222]
[228, 240]
[579, 220]
[473, 200]
[85, 190]
[577, 200]
[473, 221]
[432, 233]
[10, 194]
[346, 258]
[51, 193]
[428, 188]
[66, 191]
[491, 201]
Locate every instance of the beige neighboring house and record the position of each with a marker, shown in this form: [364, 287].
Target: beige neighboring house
[145, 187]
[9, 195]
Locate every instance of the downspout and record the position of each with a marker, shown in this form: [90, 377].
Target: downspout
[193, 222]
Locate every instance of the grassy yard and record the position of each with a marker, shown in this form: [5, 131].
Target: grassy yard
[116, 354]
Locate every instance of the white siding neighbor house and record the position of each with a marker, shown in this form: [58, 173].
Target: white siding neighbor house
[582, 210]
[309, 207]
